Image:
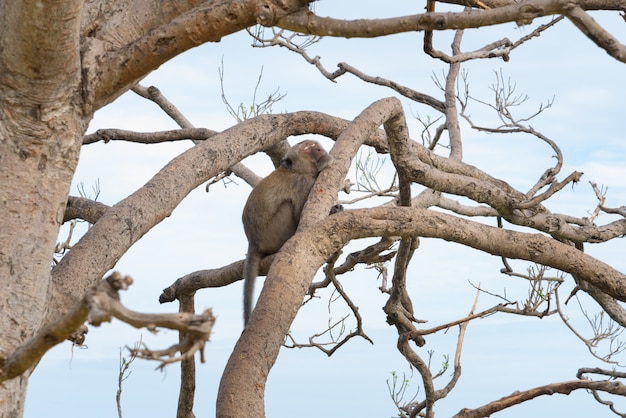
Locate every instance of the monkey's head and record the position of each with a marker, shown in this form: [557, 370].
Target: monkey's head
[307, 157]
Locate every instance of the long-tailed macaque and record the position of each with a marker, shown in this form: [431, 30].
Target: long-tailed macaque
[272, 212]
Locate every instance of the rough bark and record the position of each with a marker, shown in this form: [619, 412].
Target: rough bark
[59, 62]
[243, 382]
[40, 130]
[244, 379]
[127, 221]
[242, 387]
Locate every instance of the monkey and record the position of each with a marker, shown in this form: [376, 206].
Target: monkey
[272, 212]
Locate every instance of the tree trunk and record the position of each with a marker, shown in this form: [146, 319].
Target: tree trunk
[40, 136]
[35, 177]
[53, 75]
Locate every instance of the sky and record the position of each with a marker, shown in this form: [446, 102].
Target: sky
[501, 353]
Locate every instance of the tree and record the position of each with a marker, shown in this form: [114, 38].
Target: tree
[63, 62]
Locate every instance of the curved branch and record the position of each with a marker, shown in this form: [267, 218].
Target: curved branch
[317, 237]
[298, 260]
[208, 22]
[564, 388]
[127, 221]
[259, 344]
[455, 177]
[203, 279]
[522, 13]
[511, 244]
[99, 305]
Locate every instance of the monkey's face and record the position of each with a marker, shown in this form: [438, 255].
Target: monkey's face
[317, 154]
[307, 157]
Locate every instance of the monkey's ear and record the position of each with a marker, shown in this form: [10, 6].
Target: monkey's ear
[286, 162]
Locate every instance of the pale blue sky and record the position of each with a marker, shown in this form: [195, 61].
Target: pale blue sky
[501, 353]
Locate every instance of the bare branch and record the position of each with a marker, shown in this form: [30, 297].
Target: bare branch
[369, 255]
[589, 343]
[99, 305]
[255, 108]
[28, 354]
[456, 207]
[564, 388]
[600, 195]
[286, 42]
[123, 374]
[553, 189]
[336, 343]
[521, 13]
[403, 90]
[106, 135]
[154, 94]
[187, 391]
[609, 373]
[500, 48]
[505, 99]
[450, 176]
[596, 33]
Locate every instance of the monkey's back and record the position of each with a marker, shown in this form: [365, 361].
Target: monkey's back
[272, 211]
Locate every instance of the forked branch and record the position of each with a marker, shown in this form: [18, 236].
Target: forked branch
[99, 305]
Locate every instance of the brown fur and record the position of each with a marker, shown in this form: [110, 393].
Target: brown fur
[272, 212]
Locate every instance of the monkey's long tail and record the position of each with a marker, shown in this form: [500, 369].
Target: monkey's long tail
[250, 272]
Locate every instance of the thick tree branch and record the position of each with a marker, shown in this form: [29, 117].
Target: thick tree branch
[208, 22]
[258, 346]
[29, 354]
[597, 33]
[522, 13]
[41, 123]
[203, 279]
[455, 177]
[187, 391]
[295, 264]
[100, 19]
[127, 221]
[511, 244]
[298, 260]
